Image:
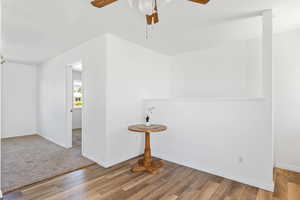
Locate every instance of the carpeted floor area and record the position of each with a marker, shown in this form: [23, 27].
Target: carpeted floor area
[29, 159]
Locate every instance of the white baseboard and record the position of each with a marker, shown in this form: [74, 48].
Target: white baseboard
[19, 135]
[101, 163]
[289, 167]
[244, 180]
[110, 163]
[51, 140]
[120, 160]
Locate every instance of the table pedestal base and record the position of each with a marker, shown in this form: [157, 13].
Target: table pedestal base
[149, 166]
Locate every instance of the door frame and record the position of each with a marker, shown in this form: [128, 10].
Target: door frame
[69, 104]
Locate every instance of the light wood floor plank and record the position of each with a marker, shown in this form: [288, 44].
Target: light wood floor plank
[206, 191]
[174, 182]
[264, 195]
[293, 191]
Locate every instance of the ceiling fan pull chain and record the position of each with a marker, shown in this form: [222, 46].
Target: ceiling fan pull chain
[147, 31]
[150, 31]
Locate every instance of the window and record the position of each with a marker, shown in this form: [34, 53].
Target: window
[77, 94]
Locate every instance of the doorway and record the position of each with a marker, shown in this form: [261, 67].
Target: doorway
[76, 102]
[46, 153]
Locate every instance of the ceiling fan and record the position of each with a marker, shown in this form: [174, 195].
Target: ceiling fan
[149, 7]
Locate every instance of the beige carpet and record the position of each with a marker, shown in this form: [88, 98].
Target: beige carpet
[26, 160]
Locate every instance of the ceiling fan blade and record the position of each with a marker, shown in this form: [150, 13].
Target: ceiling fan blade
[102, 3]
[200, 1]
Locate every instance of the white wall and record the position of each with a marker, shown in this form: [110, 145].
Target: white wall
[227, 132]
[1, 195]
[287, 99]
[19, 100]
[77, 113]
[0, 109]
[52, 96]
[229, 70]
[227, 137]
[116, 79]
[133, 74]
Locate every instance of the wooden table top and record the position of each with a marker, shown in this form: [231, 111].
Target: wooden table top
[150, 129]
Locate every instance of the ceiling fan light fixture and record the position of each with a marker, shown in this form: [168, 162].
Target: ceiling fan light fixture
[146, 6]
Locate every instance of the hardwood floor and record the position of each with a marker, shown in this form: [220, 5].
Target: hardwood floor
[174, 182]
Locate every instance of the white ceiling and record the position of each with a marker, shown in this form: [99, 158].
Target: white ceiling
[36, 30]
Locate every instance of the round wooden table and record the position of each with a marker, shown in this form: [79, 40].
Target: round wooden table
[147, 163]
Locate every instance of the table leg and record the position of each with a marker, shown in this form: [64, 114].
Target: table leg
[147, 163]
[147, 152]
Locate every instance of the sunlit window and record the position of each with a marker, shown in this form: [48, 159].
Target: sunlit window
[77, 94]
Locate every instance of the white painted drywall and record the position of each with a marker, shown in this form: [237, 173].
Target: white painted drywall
[0, 109]
[287, 99]
[116, 80]
[230, 70]
[77, 113]
[226, 137]
[267, 82]
[286, 88]
[1, 52]
[19, 100]
[133, 74]
[52, 97]
[52, 101]
[224, 133]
